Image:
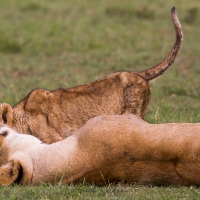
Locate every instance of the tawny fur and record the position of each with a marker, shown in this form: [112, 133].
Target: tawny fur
[107, 149]
[54, 115]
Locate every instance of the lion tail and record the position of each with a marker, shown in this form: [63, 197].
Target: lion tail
[157, 70]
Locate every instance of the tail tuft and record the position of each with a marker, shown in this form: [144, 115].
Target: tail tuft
[173, 10]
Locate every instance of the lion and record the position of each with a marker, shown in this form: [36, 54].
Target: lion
[54, 115]
[107, 149]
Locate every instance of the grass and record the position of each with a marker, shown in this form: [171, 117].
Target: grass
[121, 191]
[51, 44]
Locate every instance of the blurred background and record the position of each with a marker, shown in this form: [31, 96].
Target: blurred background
[50, 44]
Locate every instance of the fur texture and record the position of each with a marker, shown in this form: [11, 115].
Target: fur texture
[107, 149]
[54, 115]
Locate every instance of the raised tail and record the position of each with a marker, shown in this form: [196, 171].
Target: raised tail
[161, 67]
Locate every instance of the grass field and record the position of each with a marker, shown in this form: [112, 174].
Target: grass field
[50, 44]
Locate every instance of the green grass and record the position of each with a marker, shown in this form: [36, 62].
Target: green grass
[50, 44]
[84, 192]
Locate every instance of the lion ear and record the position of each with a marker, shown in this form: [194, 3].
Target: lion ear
[6, 114]
[9, 173]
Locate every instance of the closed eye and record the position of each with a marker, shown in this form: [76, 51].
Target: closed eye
[4, 133]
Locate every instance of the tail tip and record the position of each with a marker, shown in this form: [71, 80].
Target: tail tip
[173, 10]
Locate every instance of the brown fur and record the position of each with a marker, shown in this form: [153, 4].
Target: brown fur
[54, 115]
[107, 149]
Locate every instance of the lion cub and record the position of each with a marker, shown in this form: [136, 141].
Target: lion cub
[54, 115]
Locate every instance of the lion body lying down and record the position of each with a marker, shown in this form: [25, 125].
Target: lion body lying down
[54, 115]
[107, 149]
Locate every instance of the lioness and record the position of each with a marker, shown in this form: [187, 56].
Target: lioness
[54, 115]
[106, 149]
